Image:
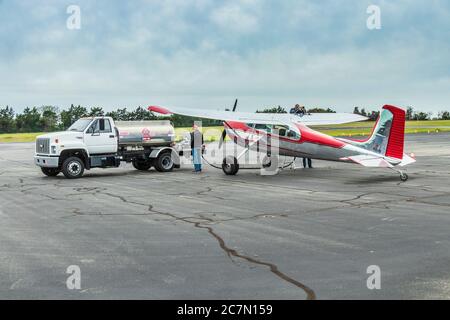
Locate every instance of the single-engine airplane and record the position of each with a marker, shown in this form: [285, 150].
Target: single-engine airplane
[257, 131]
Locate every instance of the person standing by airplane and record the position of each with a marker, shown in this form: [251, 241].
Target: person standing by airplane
[197, 142]
[309, 162]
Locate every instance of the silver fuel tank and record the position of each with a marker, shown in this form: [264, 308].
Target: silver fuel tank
[146, 133]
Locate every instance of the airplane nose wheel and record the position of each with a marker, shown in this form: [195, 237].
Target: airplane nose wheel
[403, 176]
[230, 166]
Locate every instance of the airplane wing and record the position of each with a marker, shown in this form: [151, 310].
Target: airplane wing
[263, 118]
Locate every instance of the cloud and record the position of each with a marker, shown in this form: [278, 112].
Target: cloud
[236, 18]
[202, 53]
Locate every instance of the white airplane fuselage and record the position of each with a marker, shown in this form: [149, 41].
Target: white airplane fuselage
[310, 144]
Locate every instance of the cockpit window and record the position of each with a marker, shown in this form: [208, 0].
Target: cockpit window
[293, 134]
[281, 130]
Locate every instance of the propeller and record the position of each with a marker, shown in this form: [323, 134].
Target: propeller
[235, 105]
[224, 132]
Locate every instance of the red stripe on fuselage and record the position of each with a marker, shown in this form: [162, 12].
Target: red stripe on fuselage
[311, 136]
[236, 125]
[308, 135]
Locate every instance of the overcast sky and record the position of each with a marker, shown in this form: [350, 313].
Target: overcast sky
[204, 53]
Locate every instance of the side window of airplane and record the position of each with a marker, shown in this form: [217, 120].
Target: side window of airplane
[282, 130]
[293, 135]
[261, 127]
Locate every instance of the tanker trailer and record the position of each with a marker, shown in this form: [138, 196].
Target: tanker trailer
[145, 133]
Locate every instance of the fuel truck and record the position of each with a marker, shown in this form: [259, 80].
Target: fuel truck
[99, 142]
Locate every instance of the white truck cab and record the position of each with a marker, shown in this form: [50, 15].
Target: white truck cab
[97, 142]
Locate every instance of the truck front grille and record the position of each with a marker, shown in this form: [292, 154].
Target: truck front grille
[43, 146]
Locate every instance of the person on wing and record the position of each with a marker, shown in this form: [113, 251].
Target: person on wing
[197, 142]
[295, 110]
[298, 110]
[303, 110]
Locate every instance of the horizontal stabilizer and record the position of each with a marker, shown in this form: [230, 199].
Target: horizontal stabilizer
[407, 160]
[370, 161]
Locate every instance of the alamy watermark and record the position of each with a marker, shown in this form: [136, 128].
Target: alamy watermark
[73, 22]
[374, 20]
[254, 148]
[73, 282]
[374, 280]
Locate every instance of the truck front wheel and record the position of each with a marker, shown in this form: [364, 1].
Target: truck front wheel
[142, 165]
[50, 172]
[164, 162]
[73, 168]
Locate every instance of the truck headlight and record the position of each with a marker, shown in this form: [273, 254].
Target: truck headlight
[53, 149]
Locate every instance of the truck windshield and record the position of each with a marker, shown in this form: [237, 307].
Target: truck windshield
[80, 125]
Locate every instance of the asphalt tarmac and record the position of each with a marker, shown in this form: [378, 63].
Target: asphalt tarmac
[304, 233]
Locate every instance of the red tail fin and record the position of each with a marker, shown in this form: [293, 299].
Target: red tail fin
[397, 134]
[388, 134]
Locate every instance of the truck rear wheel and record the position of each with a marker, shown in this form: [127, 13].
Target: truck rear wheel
[73, 168]
[50, 172]
[164, 162]
[142, 165]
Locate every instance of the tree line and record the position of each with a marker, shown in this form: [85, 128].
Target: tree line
[280, 109]
[411, 114]
[51, 118]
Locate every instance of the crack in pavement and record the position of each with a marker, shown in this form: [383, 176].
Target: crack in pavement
[79, 212]
[230, 252]
[206, 223]
[380, 203]
[198, 193]
[310, 294]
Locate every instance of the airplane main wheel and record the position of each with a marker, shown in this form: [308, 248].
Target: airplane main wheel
[403, 177]
[230, 166]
